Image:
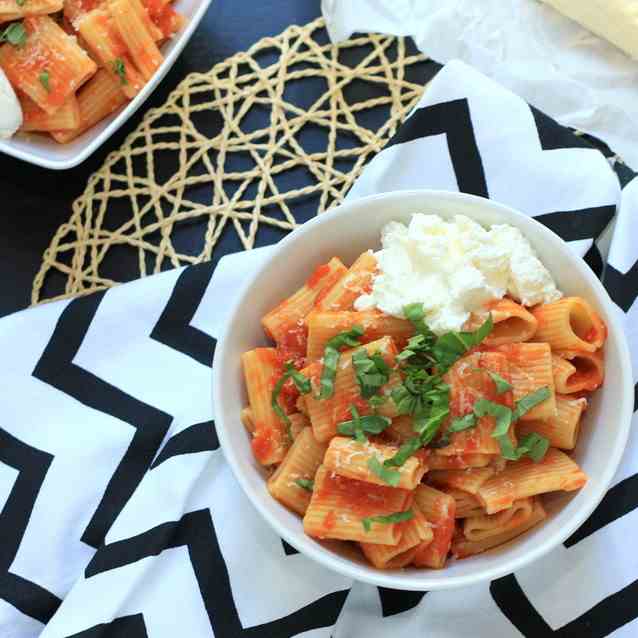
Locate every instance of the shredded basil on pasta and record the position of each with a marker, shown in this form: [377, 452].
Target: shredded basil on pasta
[397, 517]
[303, 385]
[331, 358]
[451, 346]
[391, 477]
[305, 484]
[524, 405]
[15, 34]
[458, 425]
[371, 424]
[371, 372]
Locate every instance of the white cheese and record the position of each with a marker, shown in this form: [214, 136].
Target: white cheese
[454, 268]
[10, 111]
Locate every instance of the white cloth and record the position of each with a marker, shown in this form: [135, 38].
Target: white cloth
[121, 518]
[549, 60]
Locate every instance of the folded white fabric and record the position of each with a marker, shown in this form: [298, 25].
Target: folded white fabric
[119, 515]
[546, 58]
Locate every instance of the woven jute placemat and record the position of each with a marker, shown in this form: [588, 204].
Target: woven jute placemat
[173, 171]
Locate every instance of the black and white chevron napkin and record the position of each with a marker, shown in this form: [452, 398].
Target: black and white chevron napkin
[119, 516]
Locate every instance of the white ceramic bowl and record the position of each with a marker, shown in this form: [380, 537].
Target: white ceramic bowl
[44, 151]
[348, 231]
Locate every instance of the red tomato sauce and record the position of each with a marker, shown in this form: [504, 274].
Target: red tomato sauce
[263, 442]
[343, 412]
[329, 520]
[361, 498]
[318, 274]
[293, 345]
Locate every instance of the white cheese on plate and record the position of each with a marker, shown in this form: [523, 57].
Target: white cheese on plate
[454, 268]
[10, 111]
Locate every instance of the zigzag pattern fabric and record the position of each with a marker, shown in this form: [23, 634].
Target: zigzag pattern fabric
[118, 513]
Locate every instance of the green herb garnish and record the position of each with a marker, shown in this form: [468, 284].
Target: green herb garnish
[524, 405]
[331, 358]
[458, 425]
[44, 80]
[451, 346]
[502, 414]
[415, 314]
[303, 385]
[534, 445]
[502, 385]
[391, 477]
[120, 69]
[428, 426]
[359, 434]
[372, 424]
[371, 372]
[397, 517]
[377, 400]
[20, 3]
[15, 34]
[305, 484]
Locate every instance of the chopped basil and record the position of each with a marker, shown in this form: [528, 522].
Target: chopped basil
[458, 425]
[505, 417]
[502, 385]
[502, 414]
[534, 445]
[371, 372]
[372, 424]
[391, 477]
[406, 450]
[331, 358]
[120, 69]
[397, 517]
[451, 346]
[377, 400]
[415, 314]
[419, 347]
[305, 484]
[427, 427]
[20, 3]
[302, 383]
[15, 34]
[44, 80]
[359, 434]
[530, 401]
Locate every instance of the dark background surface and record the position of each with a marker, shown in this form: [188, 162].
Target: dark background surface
[35, 201]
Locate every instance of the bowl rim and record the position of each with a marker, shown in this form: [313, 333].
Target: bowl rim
[407, 582]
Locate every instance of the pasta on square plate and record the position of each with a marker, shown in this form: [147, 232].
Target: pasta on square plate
[74, 62]
[427, 430]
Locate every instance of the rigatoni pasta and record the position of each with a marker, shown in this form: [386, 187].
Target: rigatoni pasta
[561, 430]
[463, 547]
[349, 458]
[293, 480]
[339, 505]
[570, 324]
[49, 67]
[513, 323]
[522, 478]
[417, 446]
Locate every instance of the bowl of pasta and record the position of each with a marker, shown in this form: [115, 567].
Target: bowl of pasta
[423, 390]
[73, 71]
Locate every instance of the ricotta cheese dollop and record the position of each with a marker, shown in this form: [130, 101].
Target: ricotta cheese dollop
[10, 111]
[454, 268]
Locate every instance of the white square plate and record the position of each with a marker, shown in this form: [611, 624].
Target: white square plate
[43, 151]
